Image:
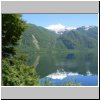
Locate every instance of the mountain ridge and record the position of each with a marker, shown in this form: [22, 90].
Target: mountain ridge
[46, 40]
[59, 28]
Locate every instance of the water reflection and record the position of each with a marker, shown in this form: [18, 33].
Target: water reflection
[70, 56]
[61, 74]
[61, 77]
[76, 63]
[80, 64]
[36, 62]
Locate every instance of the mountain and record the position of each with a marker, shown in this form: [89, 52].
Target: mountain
[36, 38]
[80, 38]
[39, 39]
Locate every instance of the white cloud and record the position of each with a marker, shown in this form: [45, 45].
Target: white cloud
[59, 27]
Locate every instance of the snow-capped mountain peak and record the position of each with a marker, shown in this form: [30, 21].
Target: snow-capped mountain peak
[59, 28]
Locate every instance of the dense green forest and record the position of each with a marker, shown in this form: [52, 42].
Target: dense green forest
[20, 40]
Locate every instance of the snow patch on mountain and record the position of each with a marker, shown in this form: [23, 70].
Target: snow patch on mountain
[59, 28]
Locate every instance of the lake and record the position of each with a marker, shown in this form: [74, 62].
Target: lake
[60, 69]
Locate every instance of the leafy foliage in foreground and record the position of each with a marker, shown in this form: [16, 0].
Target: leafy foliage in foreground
[48, 82]
[12, 28]
[72, 84]
[16, 72]
[68, 84]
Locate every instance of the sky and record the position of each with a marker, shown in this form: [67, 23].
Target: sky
[60, 21]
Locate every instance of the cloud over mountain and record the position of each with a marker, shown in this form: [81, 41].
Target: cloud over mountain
[59, 28]
[56, 28]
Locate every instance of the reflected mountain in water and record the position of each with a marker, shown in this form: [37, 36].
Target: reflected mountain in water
[60, 66]
[62, 78]
[80, 63]
[63, 74]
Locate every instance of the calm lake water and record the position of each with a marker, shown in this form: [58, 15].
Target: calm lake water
[62, 68]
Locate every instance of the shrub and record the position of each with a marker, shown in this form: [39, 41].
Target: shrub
[15, 72]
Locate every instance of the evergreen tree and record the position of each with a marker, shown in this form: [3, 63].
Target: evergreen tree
[12, 28]
[15, 70]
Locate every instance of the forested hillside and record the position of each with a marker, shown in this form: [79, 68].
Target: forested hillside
[39, 39]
